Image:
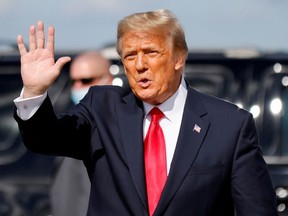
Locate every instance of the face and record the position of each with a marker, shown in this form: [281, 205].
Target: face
[151, 66]
[82, 73]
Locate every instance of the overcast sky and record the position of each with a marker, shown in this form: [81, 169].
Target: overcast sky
[90, 24]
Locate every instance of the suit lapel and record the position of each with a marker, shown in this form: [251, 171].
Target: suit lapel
[187, 148]
[130, 116]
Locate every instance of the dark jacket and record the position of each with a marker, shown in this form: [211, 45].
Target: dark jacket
[214, 172]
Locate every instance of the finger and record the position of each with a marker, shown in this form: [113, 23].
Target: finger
[51, 39]
[40, 35]
[32, 38]
[21, 46]
[61, 62]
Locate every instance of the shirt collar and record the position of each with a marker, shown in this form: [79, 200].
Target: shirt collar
[174, 105]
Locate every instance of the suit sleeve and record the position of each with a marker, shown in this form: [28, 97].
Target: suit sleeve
[252, 188]
[45, 133]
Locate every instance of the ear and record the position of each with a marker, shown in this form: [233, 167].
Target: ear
[180, 61]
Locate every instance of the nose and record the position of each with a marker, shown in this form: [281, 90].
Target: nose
[140, 62]
[77, 84]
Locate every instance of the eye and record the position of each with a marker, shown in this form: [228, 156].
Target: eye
[129, 56]
[152, 53]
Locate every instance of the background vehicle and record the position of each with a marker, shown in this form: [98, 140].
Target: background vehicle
[255, 81]
[24, 176]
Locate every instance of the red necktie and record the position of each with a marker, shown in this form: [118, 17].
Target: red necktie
[155, 160]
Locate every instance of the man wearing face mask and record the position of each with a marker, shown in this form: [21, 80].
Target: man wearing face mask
[88, 69]
[71, 185]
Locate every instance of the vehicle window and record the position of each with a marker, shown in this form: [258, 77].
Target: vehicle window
[216, 80]
[274, 125]
[11, 148]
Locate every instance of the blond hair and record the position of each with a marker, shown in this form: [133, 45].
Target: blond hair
[159, 20]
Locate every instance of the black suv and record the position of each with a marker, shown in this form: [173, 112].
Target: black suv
[25, 177]
[255, 81]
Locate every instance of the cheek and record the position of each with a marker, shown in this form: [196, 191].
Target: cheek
[166, 78]
[131, 79]
[128, 72]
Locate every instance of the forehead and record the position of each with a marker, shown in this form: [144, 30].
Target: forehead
[82, 69]
[143, 38]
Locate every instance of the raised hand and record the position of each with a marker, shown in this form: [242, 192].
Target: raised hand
[38, 67]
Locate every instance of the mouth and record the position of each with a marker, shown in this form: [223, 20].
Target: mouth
[144, 80]
[144, 83]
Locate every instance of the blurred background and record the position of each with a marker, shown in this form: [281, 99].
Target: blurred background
[260, 24]
[238, 52]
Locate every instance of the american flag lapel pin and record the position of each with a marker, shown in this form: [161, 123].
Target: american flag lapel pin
[196, 128]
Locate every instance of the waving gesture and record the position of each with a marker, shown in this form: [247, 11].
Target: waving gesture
[38, 67]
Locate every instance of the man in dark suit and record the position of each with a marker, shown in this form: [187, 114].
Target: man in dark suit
[213, 163]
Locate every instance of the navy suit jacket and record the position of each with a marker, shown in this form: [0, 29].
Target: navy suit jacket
[216, 171]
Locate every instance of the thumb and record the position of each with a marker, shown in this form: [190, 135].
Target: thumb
[62, 61]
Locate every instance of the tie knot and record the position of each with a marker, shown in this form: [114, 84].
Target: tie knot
[156, 114]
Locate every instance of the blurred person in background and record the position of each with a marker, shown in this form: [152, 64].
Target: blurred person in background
[71, 185]
[88, 69]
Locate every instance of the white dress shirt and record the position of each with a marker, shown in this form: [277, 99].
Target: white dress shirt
[173, 109]
[27, 107]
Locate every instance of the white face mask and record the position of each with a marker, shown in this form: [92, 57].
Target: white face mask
[78, 94]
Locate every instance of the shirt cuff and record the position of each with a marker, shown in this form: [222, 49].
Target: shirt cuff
[27, 107]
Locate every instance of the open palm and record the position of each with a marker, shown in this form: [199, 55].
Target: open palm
[38, 67]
